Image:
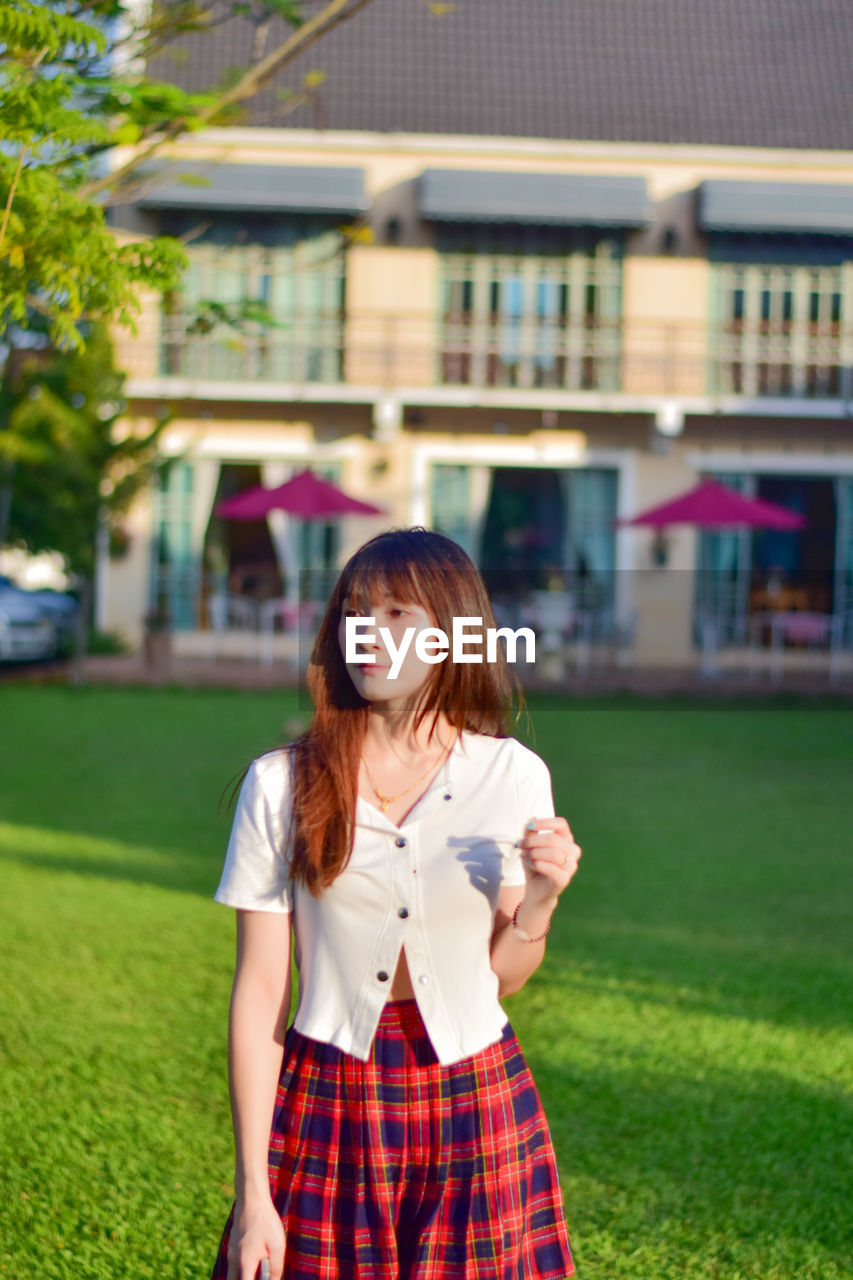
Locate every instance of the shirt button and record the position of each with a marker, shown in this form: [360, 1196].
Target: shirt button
[423, 979]
[400, 842]
[403, 913]
[447, 797]
[382, 975]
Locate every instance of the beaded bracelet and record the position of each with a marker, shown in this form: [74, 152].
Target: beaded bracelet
[522, 933]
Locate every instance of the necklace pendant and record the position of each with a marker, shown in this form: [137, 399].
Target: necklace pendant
[383, 804]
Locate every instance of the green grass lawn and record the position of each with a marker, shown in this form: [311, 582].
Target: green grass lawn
[689, 1029]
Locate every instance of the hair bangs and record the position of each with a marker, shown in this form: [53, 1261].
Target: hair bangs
[378, 573]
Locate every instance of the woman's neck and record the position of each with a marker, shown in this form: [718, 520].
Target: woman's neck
[392, 731]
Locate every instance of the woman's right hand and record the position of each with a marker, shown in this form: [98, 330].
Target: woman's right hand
[257, 1233]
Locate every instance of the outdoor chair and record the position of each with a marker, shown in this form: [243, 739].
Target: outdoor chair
[228, 612]
[297, 619]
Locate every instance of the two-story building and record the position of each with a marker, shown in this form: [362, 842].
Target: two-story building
[514, 272]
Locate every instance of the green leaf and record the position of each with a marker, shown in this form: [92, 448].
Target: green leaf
[34, 29]
[126, 134]
[286, 9]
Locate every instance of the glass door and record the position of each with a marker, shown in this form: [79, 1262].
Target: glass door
[723, 572]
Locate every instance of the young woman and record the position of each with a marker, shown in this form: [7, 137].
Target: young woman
[394, 1130]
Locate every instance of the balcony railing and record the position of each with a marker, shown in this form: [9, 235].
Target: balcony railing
[541, 353]
[388, 351]
[310, 352]
[778, 359]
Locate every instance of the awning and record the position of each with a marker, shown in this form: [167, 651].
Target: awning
[194, 184]
[558, 199]
[792, 207]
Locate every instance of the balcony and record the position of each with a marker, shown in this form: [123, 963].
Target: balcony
[266, 355]
[533, 354]
[813, 362]
[433, 359]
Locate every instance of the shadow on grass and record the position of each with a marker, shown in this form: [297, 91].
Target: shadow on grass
[761, 1158]
[69, 853]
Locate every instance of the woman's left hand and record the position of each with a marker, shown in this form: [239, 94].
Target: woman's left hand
[550, 855]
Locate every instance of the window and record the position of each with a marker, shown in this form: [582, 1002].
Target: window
[293, 268]
[451, 504]
[591, 495]
[319, 542]
[779, 318]
[530, 307]
[722, 578]
[843, 595]
[526, 526]
[174, 561]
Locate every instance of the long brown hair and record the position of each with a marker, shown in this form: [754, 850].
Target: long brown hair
[410, 565]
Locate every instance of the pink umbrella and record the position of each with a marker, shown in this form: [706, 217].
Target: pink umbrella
[305, 495]
[714, 506]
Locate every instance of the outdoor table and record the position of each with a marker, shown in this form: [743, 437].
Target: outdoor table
[782, 600]
[815, 630]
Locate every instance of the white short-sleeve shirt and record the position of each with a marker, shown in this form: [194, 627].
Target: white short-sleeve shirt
[429, 885]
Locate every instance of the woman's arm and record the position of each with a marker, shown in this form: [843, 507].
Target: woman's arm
[260, 1004]
[511, 959]
[550, 856]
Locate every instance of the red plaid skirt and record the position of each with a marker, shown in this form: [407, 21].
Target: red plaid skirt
[400, 1168]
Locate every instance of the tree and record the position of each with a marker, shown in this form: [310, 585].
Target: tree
[73, 88]
[75, 472]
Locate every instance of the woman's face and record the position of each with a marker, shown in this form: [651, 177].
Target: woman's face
[373, 680]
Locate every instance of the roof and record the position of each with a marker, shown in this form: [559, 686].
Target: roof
[754, 73]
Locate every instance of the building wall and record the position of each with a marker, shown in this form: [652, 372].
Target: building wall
[392, 290]
[665, 310]
[122, 597]
[392, 325]
[663, 596]
[390, 419]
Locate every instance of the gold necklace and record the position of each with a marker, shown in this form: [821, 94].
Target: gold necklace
[385, 801]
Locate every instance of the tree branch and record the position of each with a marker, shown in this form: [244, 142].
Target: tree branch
[335, 13]
[11, 197]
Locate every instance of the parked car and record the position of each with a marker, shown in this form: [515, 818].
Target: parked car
[34, 624]
[62, 610]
